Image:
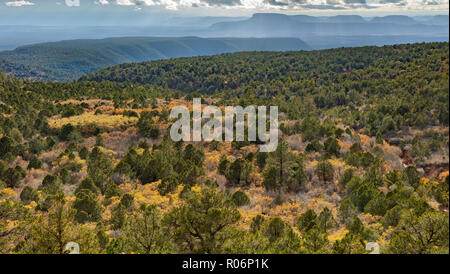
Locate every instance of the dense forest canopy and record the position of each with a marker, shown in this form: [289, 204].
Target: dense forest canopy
[363, 156]
[210, 74]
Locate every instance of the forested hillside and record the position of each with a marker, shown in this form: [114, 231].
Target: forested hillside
[68, 60]
[210, 74]
[400, 82]
[16, 70]
[362, 157]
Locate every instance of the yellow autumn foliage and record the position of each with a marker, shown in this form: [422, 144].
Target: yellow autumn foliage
[443, 175]
[149, 194]
[104, 121]
[337, 235]
[31, 205]
[426, 181]
[196, 189]
[8, 192]
[107, 152]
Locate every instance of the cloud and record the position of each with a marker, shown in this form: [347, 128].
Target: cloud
[432, 2]
[223, 2]
[101, 2]
[125, 3]
[191, 3]
[277, 3]
[72, 3]
[260, 5]
[323, 7]
[355, 2]
[19, 3]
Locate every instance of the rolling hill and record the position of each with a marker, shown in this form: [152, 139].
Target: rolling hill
[68, 60]
[246, 70]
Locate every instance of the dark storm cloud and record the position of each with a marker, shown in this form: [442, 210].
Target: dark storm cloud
[276, 3]
[362, 2]
[222, 2]
[299, 1]
[323, 7]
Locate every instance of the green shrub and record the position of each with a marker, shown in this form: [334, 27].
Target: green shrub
[240, 198]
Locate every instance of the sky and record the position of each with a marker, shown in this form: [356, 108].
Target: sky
[32, 11]
[212, 7]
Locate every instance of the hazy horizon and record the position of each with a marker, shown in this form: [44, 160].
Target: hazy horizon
[162, 12]
[25, 22]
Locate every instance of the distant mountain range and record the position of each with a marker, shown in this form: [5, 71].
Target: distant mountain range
[318, 31]
[340, 30]
[68, 60]
[273, 24]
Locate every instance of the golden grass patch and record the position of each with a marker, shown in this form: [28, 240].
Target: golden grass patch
[103, 121]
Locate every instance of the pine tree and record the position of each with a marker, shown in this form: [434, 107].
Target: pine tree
[280, 168]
